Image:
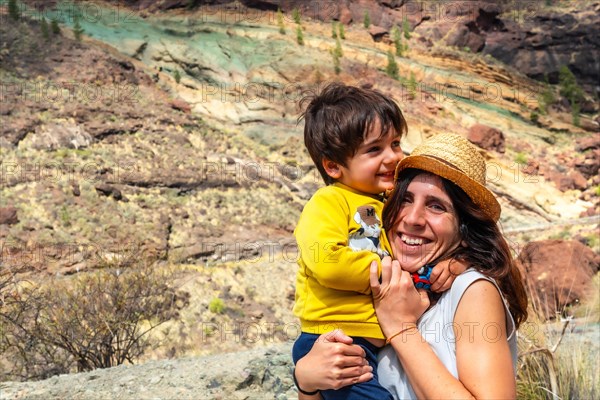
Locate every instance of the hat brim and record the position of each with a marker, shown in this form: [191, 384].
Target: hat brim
[480, 195]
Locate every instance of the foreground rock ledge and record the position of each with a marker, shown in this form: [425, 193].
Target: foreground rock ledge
[263, 373]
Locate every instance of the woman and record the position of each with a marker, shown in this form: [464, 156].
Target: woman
[464, 345]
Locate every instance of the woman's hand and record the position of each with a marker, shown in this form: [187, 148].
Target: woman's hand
[397, 301]
[332, 363]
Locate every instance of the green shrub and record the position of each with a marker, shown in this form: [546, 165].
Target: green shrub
[342, 32]
[296, 16]
[406, 28]
[77, 29]
[54, 27]
[367, 20]
[177, 76]
[280, 21]
[216, 306]
[338, 48]
[45, 29]
[392, 67]
[570, 89]
[521, 158]
[334, 34]
[299, 35]
[336, 63]
[13, 10]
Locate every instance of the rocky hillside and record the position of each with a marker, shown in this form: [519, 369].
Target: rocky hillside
[169, 132]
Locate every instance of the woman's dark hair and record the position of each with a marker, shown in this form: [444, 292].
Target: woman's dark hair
[487, 250]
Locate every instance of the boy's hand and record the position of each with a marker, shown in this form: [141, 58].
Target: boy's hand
[444, 273]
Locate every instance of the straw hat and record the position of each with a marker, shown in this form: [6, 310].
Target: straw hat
[455, 158]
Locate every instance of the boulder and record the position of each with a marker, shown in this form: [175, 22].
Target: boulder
[558, 273]
[486, 137]
[377, 32]
[57, 135]
[8, 216]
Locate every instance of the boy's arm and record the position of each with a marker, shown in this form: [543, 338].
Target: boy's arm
[322, 237]
[445, 272]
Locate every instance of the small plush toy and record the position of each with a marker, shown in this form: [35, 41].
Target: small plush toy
[421, 277]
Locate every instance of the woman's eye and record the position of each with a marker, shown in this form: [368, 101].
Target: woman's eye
[437, 207]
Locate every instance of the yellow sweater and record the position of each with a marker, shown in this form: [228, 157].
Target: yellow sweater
[332, 284]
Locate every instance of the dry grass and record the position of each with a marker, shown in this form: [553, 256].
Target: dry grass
[561, 360]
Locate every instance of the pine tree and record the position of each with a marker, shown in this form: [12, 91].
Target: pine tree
[299, 35]
[45, 29]
[367, 19]
[412, 86]
[338, 48]
[342, 33]
[334, 30]
[392, 68]
[177, 76]
[336, 63]
[397, 38]
[54, 27]
[13, 10]
[570, 89]
[296, 16]
[406, 28]
[77, 29]
[280, 21]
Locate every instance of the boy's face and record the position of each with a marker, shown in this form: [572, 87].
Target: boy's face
[371, 169]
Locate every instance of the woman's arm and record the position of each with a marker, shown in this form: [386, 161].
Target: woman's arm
[483, 356]
[332, 363]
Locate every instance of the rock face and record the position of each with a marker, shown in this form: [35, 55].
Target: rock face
[558, 272]
[256, 374]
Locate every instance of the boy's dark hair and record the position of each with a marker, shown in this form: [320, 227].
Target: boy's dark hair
[337, 120]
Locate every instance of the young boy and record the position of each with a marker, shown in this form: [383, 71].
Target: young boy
[353, 136]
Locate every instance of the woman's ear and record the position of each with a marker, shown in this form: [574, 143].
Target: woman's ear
[332, 169]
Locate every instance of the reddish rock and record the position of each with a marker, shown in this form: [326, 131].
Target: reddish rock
[8, 216]
[590, 166]
[558, 273]
[579, 181]
[588, 143]
[486, 137]
[181, 105]
[377, 32]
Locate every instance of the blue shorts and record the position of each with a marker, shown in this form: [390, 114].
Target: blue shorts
[370, 390]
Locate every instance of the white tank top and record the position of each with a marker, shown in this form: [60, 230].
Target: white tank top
[436, 327]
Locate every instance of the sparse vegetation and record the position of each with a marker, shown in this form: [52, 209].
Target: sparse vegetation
[45, 29]
[570, 89]
[299, 35]
[216, 306]
[397, 39]
[94, 320]
[296, 16]
[334, 33]
[54, 27]
[336, 63]
[342, 32]
[338, 49]
[77, 29]
[280, 21]
[177, 76]
[366, 19]
[13, 10]
[412, 86]
[406, 28]
[392, 67]
[520, 158]
[550, 368]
